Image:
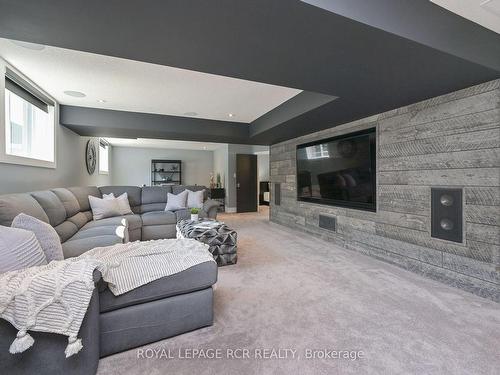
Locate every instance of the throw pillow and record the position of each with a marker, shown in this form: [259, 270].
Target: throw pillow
[195, 198]
[103, 208]
[19, 249]
[45, 234]
[123, 202]
[176, 202]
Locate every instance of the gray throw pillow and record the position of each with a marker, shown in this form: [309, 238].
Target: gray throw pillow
[103, 208]
[123, 202]
[19, 249]
[176, 202]
[46, 235]
[195, 198]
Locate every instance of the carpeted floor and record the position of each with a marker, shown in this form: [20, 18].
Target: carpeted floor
[292, 292]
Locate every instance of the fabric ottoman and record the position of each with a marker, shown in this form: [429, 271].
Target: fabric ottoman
[217, 235]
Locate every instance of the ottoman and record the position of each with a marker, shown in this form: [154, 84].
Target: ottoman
[216, 234]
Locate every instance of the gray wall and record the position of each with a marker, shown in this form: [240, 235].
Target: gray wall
[263, 167]
[132, 165]
[70, 171]
[221, 165]
[452, 140]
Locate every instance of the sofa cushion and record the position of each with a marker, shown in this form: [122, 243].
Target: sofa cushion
[76, 247]
[176, 189]
[12, 205]
[195, 199]
[195, 278]
[45, 234]
[184, 214]
[133, 194]
[104, 208]
[158, 218]
[80, 219]
[52, 206]
[19, 249]
[66, 230]
[154, 198]
[82, 195]
[104, 230]
[177, 202]
[116, 220]
[123, 202]
[68, 200]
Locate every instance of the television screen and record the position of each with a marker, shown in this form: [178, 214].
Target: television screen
[339, 171]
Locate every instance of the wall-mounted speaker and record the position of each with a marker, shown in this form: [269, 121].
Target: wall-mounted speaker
[446, 214]
[277, 194]
[328, 222]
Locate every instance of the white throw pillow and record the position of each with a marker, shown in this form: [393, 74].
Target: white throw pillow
[195, 199]
[46, 235]
[19, 249]
[122, 202]
[176, 202]
[103, 208]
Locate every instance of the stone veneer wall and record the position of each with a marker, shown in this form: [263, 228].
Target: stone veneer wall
[452, 140]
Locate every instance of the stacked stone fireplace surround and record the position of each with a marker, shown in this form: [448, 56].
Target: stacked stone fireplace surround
[448, 141]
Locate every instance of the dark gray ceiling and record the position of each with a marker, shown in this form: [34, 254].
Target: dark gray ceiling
[363, 56]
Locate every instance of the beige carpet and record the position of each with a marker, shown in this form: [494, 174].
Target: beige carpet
[290, 291]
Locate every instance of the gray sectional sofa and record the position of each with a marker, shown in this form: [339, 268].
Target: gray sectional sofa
[166, 307]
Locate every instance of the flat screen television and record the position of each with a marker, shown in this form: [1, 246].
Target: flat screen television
[339, 171]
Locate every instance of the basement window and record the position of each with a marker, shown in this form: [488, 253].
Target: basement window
[29, 126]
[103, 157]
[317, 151]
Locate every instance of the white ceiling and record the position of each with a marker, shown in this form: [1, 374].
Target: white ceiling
[484, 12]
[164, 144]
[130, 85]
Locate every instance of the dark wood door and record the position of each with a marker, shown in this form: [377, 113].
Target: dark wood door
[246, 183]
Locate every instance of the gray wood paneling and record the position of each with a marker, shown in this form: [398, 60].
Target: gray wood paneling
[452, 140]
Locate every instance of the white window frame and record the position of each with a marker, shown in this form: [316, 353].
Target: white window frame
[107, 150]
[53, 114]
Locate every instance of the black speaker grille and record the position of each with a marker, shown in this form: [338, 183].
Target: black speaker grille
[328, 222]
[277, 194]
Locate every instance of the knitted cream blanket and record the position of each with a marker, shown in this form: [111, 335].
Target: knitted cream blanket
[55, 297]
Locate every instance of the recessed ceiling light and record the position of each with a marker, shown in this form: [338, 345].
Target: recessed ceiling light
[191, 114]
[75, 94]
[32, 46]
[230, 114]
[101, 101]
[204, 147]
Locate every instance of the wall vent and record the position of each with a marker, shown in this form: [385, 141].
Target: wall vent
[328, 222]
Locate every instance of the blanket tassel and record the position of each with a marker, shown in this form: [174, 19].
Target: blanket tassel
[74, 346]
[22, 342]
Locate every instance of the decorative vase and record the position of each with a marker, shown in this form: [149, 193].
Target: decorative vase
[194, 217]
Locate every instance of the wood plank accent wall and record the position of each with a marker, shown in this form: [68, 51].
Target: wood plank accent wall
[452, 140]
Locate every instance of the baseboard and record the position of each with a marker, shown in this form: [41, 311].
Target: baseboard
[230, 210]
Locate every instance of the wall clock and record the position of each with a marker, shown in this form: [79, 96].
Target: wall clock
[91, 156]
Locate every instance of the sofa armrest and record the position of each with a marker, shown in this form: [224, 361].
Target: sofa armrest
[210, 207]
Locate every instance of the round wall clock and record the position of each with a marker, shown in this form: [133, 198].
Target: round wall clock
[91, 156]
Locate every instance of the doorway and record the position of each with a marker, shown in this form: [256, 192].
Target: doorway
[246, 183]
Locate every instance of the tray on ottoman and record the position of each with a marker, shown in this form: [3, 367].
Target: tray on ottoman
[216, 234]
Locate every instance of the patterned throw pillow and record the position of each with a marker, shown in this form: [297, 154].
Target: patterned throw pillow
[176, 202]
[103, 208]
[19, 249]
[195, 198]
[46, 235]
[123, 202]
